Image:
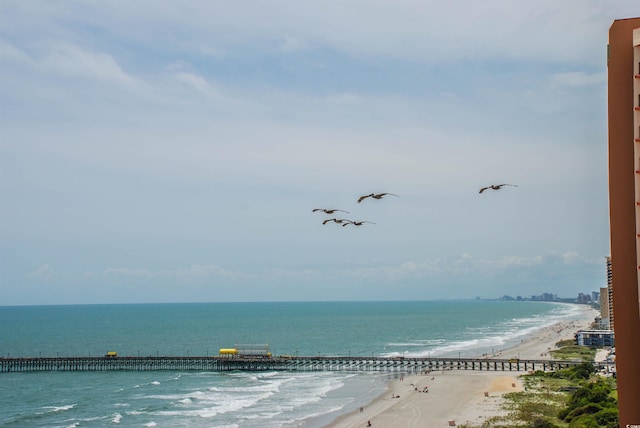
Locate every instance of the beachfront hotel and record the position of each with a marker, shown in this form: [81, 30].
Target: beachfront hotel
[623, 64]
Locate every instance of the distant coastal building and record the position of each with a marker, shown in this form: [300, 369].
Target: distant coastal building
[545, 297]
[623, 105]
[584, 298]
[596, 338]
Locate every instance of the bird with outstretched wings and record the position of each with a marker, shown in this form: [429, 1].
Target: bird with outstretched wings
[329, 211]
[337, 220]
[374, 196]
[357, 223]
[496, 187]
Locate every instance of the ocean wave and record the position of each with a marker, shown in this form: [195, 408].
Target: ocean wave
[55, 409]
[251, 402]
[479, 340]
[316, 414]
[425, 342]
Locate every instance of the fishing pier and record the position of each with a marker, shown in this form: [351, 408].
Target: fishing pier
[281, 363]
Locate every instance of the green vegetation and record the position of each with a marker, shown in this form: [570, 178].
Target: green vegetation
[591, 405]
[570, 398]
[567, 350]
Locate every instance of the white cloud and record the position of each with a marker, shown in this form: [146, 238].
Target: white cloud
[72, 61]
[466, 265]
[129, 272]
[44, 273]
[190, 273]
[196, 82]
[12, 54]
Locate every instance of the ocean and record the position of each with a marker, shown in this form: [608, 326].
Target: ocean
[461, 328]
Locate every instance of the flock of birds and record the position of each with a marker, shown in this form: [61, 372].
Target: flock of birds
[346, 222]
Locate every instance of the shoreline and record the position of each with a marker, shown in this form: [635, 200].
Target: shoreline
[459, 397]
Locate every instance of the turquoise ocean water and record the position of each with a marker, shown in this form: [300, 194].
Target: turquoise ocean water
[237, 399]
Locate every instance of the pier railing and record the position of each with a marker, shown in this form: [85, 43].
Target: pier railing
[284, 363]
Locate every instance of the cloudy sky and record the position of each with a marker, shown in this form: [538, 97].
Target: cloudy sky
[163, 151]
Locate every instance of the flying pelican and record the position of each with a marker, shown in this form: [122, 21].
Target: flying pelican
[328, 211]
[496, 187]
[337, 220]
[357, 223]
[374, 196]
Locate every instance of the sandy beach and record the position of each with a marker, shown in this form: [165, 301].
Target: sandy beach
[458, 397]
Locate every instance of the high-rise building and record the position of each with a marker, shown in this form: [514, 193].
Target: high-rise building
[623, 63]
[604, 309]
[608, 296]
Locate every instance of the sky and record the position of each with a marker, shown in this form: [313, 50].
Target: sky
[162, 151]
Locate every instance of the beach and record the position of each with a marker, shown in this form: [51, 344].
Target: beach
[459, 397]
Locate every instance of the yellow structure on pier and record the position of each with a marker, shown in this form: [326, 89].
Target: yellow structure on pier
[227, 352]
